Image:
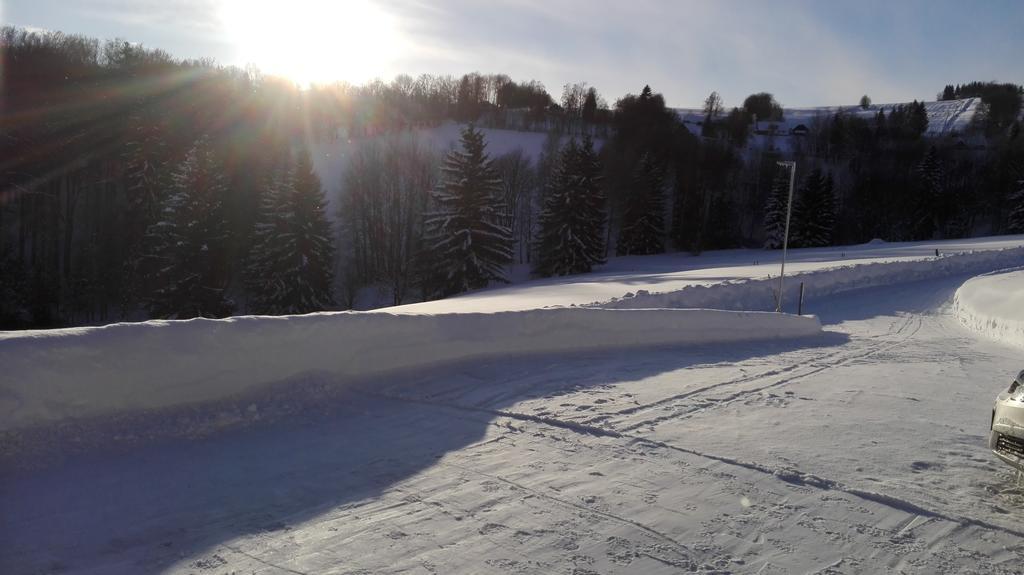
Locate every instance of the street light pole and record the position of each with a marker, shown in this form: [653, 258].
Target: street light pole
[785, 238]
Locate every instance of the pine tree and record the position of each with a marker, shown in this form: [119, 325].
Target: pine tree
[814, 215]
[1015, 221]
[311, 243]
[147, 179]
[918, 120]
[643, 218]
[571, 235]
[264, 275]
[289, 268]
[775, 211]
[189, 242]
[467, 245]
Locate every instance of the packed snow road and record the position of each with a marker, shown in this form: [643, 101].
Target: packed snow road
[859, 451]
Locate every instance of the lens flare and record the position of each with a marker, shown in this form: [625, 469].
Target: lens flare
[314, 41]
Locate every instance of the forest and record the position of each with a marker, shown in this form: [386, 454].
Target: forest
[134, 185]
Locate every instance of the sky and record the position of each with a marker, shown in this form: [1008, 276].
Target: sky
[807, 53]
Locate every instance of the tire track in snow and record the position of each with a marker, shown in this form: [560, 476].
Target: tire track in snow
[787, 475]
[844, 357]
[689, 553]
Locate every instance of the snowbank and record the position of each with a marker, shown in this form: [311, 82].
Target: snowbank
[53, 375]
[664, 273]
[760, 294]
[993, 304]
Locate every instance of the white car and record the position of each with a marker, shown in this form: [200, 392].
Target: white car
[1006, 439]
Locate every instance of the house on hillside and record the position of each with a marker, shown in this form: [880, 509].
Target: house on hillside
[799, 130]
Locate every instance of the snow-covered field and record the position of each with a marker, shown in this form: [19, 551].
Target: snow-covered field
[860, 451]
[993, 304]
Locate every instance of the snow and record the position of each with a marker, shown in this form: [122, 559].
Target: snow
[54, 375]
[469, 438]
[993, 304]
[674, 280]
[945, 118]
[760, 293]
[860, 451]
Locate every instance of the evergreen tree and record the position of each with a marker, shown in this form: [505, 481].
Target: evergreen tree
[881, 129]
[467, 244]
[264, 270]
[290, 265]
[814, 215]
[590, 105]
[775, 211]
[189, 243]
[571, 235]
[1015, 221]
[918, 120]
[147, 179]
[643, 218]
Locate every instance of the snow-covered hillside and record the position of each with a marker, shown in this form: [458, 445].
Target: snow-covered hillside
[945, 118]
[330, 158]
[993, 304]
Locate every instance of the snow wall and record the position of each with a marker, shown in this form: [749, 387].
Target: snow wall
[760, 294]
[49, 376]
[993, 304]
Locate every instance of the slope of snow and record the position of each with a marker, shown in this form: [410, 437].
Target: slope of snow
[993, 304]
[862, 451]
[53, 375]
[670, 273]
[944, 117]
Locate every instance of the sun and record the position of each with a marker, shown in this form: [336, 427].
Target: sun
[314, 41]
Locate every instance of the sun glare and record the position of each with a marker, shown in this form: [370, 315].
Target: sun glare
[314, 41]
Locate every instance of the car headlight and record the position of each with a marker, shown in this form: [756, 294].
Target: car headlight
[1017, 382]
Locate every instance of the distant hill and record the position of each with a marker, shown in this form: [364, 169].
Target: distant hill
[944, 117]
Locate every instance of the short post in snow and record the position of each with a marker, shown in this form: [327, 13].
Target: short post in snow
[785, 238]
[800, 306]
[936, 252]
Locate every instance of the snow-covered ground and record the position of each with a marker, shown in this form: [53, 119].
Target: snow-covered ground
[993, 304]
[124, 369]
[860, 451]
[622, 278]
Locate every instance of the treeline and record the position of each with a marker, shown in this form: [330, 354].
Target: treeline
[134, 185]
[489, 100]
